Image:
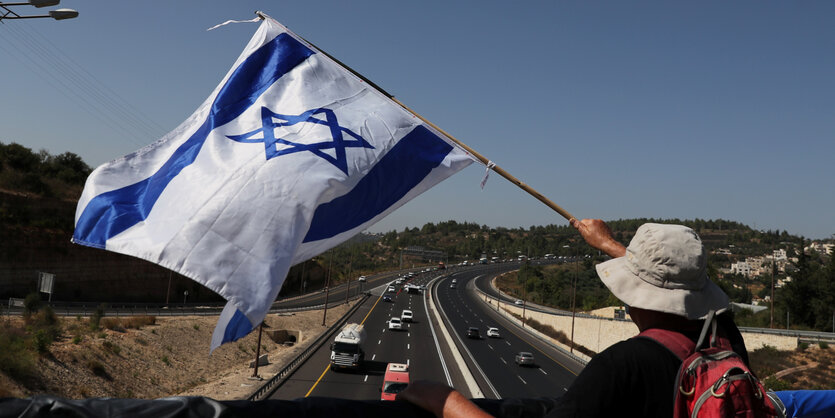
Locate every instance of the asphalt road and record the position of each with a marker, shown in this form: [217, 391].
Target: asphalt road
[550, 376]
[414, 345]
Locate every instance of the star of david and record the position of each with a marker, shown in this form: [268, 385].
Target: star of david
[338, 141]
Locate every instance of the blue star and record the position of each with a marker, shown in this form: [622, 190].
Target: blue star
[271, 120]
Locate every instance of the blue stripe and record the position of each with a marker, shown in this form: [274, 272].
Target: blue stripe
[238, 327]
[111, 213]
[398, 172]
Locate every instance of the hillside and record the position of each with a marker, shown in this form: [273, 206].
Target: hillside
[167, 357]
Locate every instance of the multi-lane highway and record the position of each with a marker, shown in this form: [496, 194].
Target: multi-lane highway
[421, 345]
[552, 372]
[414, 345]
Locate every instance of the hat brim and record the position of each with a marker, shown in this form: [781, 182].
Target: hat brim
[633, 291]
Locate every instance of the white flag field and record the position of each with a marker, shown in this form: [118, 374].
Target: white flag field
[291, 155]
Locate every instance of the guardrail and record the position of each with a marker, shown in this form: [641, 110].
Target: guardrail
[273, 384]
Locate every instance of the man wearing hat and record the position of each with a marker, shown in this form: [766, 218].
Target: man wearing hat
[661, 276]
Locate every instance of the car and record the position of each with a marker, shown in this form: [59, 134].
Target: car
[391, 289]
[493, 332]
[406, 316]
[395, 380]
[472, 332]
[395, 323]
[386, 298]
[452, 286]
[362, 278]
[398, 281]
[519, 302]
[524, 358]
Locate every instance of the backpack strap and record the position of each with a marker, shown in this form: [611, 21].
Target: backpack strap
[681, 346]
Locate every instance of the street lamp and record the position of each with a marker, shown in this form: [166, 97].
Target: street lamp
[574, 295]
[57, 14]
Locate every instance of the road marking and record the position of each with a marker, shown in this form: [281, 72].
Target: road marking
[328, 366]
[407, 362]
[407, 346]
[543, 371]
[523, 380]
[502, 360]
[508, 342]
[366, 378]
[491, 347]
[379, 341]
[373, 357]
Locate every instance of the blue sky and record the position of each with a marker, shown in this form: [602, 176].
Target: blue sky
[611, 109]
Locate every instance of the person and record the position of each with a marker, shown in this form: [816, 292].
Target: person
[662, 279]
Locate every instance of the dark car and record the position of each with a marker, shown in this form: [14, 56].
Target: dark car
[472, 332]
[386, 298]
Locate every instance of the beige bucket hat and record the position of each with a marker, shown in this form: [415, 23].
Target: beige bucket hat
[664, 270]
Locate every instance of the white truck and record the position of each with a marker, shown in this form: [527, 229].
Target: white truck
[346, 349]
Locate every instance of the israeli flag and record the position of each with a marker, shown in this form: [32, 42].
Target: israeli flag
[291, 155]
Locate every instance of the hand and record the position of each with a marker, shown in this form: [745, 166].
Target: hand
[440, 400]
[598, 235]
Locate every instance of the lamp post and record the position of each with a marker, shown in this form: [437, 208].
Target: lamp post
[574, 295]
[57, 14]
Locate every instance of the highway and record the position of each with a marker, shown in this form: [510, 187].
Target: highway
[414, 345]
[490, 360]
[552, 373]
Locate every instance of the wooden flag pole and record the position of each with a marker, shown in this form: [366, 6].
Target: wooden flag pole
[472, 152]
[495, 168]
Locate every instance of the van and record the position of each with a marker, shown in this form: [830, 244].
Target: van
[395, 381]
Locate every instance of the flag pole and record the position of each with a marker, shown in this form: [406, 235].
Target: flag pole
[502, 172]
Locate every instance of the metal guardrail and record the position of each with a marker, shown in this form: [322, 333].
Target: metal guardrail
[273, 384]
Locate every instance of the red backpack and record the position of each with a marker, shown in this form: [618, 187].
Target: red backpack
[713, 381]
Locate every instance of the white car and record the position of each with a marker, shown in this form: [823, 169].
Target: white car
[391, 289]
[406, 316]
[519, 302]
[362, 278]
[493, 332]
[395, 323]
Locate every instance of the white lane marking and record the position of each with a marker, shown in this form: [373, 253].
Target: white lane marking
[508, 342]
[565, 389]
[373, 357]
[379, 341]
[491, 347]
[502, 360]
[366, 378]
[407, 346]
[407, 362]
[543, 371]
[523, 380]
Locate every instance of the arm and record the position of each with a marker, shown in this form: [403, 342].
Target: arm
[598, 235]
[440, 400]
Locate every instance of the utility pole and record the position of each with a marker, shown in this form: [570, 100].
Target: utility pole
[258, 351]
[327, 288]
[773, 268]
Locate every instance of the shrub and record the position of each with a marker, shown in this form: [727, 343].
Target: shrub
[823, 345]
[196, 327]
[802, 346]
[141, 341]
[774, 384]
[31, 304]
[15, 359]
[77, 339]
[42, 340]
[95, 319]
[97, 368]
[130, 322]
[165, 360]
[113, 348]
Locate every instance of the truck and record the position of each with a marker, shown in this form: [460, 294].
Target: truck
[346, 349]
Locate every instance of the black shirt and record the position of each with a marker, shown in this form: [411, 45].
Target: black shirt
[618, 382]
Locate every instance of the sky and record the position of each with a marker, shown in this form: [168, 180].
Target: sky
[612, 110]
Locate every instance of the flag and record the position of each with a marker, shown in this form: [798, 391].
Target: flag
[291, 155]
